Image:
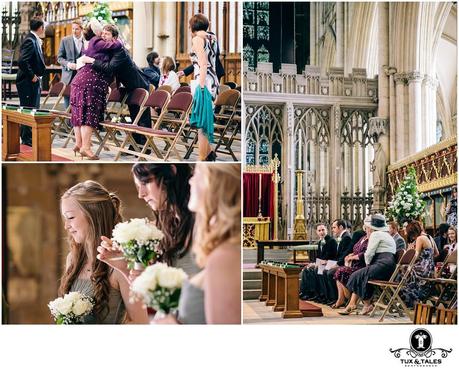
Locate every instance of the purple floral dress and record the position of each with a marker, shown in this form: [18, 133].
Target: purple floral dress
[344, 272]
[88, 96]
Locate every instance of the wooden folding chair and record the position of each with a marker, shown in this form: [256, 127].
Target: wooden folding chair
[445, 316]
[183, 89]
[445, 281]
[115, 103]
[137, 97]
[61, 127]
[157, 102]
[223, 88]
[392, 287]
[423, 313]
[55, 91]
[165, 88]
[225, 125]
[171, 126]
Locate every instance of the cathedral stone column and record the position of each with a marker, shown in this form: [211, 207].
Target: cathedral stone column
[312, 35]
[414, 116]
[339, 61]
[400, 115]
[378, 130]
[390, 71]
[289, 118]
[429, 110]
[336, 164]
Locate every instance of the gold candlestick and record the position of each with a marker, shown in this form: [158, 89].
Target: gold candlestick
[299, 228]
[260, 215]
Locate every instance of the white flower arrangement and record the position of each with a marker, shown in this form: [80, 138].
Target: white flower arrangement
[71, 309]
[407, 203]
[138, 239]
[159, 287]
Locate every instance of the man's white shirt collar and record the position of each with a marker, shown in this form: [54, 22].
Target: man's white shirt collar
[40, 41]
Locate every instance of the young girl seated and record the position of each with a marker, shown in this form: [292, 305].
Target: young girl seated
[168, 76]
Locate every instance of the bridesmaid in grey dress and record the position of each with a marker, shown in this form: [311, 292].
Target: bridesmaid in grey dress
[165, 189]
[213, 296]
[90, 211]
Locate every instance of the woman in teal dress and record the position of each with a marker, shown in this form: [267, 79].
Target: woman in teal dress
[90, 211]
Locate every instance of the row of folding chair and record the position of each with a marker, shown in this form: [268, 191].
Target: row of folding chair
[389, 298]
[227, 125]
[168, 121]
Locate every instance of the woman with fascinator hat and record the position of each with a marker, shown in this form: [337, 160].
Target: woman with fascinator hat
[380, 264]
[89, 90]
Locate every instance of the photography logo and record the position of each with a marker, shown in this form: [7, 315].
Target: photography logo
[421, 353]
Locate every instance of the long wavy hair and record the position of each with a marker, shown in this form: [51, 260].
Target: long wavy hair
[101, 209]
[174, 219]
[218, 219]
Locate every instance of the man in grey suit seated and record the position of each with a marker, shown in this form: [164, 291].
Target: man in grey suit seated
[399, 241]
[70, 50]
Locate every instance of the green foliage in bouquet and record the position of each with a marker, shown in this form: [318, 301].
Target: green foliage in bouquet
[165, 299]
[407, 203]
[143, 252]
[102, 12]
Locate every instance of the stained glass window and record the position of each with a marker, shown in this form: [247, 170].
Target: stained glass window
[256, 33]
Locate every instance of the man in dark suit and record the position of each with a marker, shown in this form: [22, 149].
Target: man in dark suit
[328, 288]
[127, 73]
[70, 50]
[31, 68]
[327, 249]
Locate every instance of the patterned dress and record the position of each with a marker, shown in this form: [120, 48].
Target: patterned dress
[344, 272]
[417, 289]
[89, 88]
[210, 48]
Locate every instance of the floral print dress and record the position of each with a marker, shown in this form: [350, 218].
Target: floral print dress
[416, 289]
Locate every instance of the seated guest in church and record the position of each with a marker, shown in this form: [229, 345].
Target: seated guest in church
[328, 289]
[327, 250]
[168, 75]
[452, 239]
[31, 67]
[380, 264]
[153, 72]
[451, 209]
[352, 263]
[399, 241]
[348, 226]
[416, 289]
[441, 240]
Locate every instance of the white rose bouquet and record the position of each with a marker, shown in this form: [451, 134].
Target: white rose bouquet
[159, 287]
[139, 240]
[71, 309]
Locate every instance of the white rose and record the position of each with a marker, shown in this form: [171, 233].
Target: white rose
[64, 307]
[171, 278]
[81, 307]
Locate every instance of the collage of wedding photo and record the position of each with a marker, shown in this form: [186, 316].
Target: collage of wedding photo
[283, 169]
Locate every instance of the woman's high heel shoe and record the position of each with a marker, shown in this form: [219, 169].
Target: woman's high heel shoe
[349, 310]
[212, 156]
[76, 150]
[90, 157]
[367, 309]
